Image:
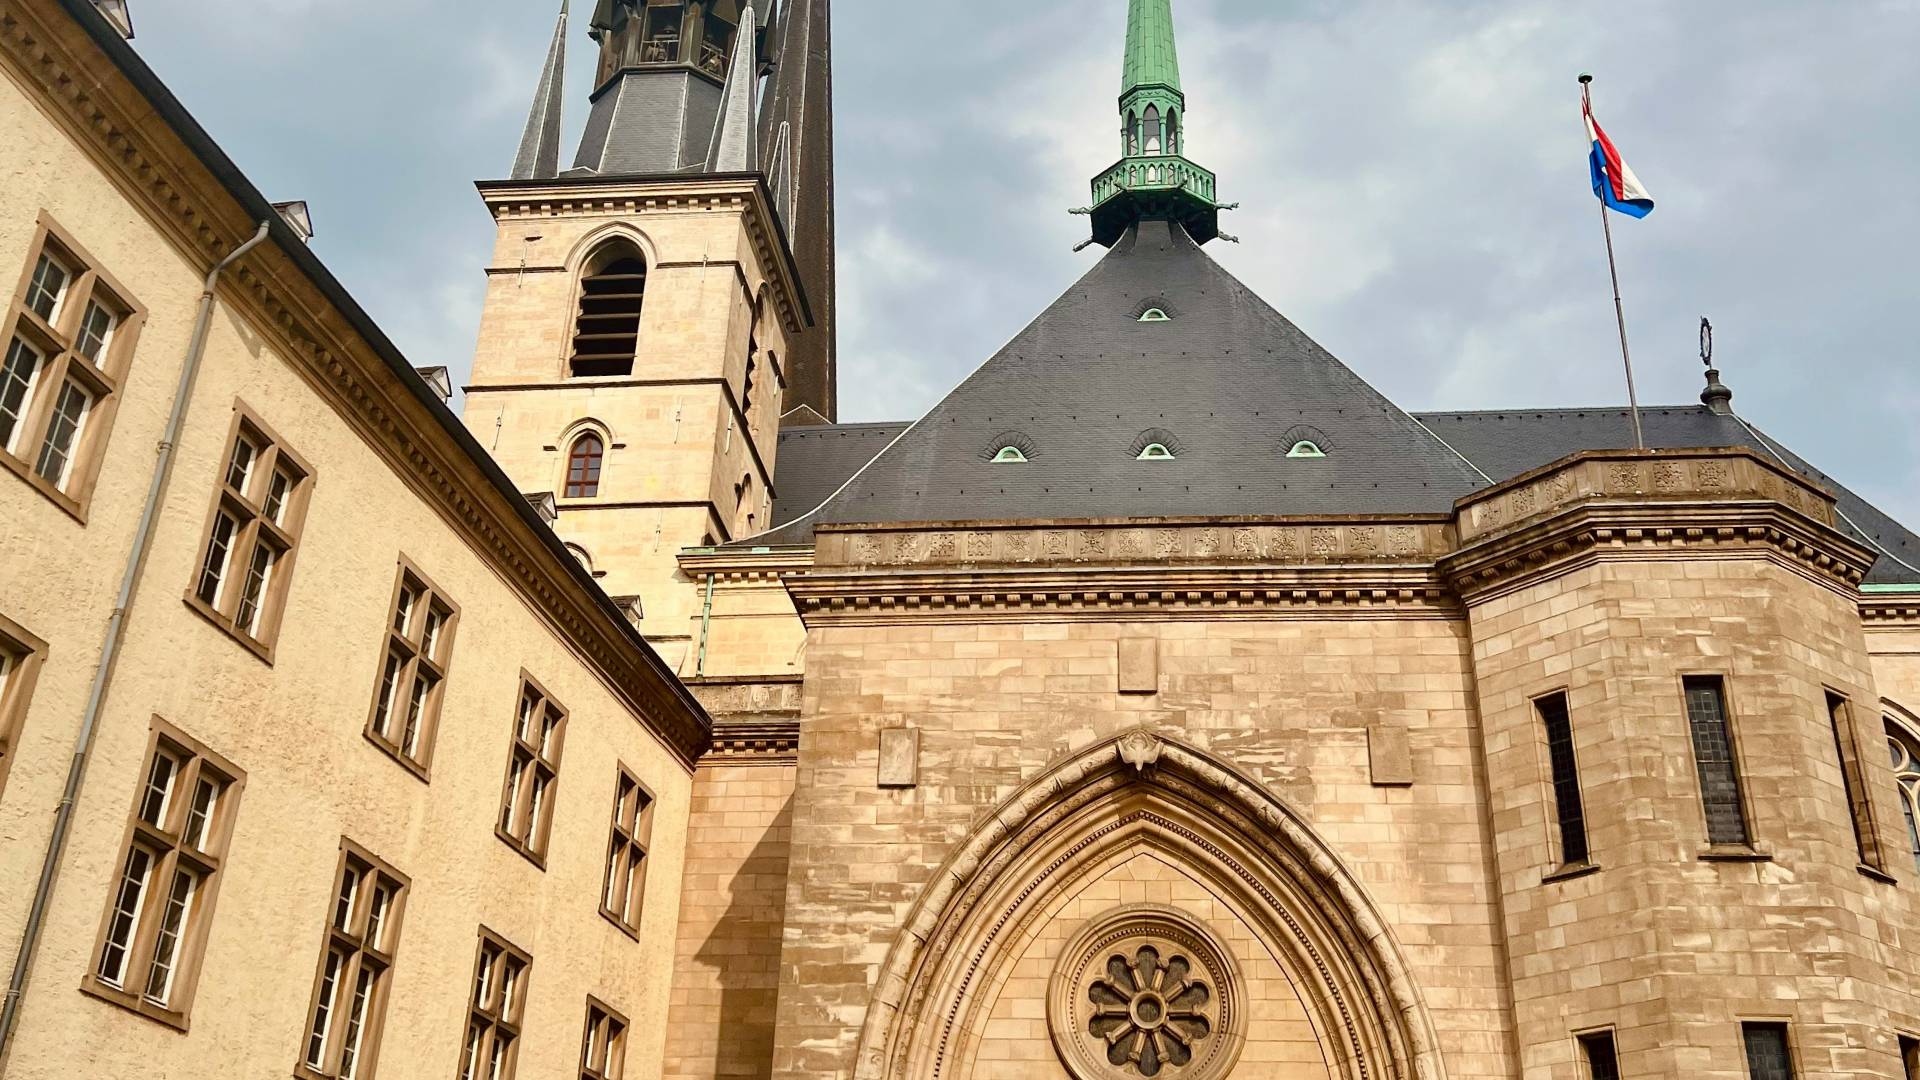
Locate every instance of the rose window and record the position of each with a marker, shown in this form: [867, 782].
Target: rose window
[1149, 1011]
[1145, 992]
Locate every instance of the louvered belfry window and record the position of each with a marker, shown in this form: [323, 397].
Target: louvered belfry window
[606, 336]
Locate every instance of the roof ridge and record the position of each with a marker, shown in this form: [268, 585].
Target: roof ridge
[1621, 409]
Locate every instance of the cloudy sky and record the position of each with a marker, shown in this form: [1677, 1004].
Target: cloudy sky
[1413, 176]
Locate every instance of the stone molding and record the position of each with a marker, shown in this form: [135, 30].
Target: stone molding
[1145, 788]
[112, 122]
[1706, 504]
[756, 720]
[1126, 542]
[1133, 593]
[1891, 612]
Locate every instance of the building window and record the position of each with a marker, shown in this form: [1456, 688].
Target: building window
[1155, 452]
[356, 964]
[1713, 757]
[1906, 770]
[606, 336]
[1173, 131]
[500, 974]
[1910, 1056]
[68, 340]
[1567, 804]
[20, 657]
[1154, 314]
[160, 907]
[533, 768]
[413, 672]
[1153, 129]
[1768, 1055]
[603, 1050]
[1601, 1058]
[246, 561]
[626, 886]
[1306, 448]
[1853, 785]
[584, 460]
[1009, 455]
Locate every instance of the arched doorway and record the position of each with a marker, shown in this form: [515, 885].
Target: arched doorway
[1144, 910]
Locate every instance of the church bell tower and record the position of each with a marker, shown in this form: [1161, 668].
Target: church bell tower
[656, 311]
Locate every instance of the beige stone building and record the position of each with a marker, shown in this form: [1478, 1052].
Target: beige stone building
[1165, 703]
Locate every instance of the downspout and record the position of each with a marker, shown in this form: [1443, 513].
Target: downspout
[110, 650]
[706, 623]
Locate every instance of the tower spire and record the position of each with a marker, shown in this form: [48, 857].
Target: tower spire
[735, 146]
[1153, 180]
[539, 156]
[1152, 59]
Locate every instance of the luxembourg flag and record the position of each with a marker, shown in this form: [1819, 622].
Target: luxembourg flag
[1613, 181]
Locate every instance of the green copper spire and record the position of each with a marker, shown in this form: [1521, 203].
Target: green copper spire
[1153, 179]
[1151, 58]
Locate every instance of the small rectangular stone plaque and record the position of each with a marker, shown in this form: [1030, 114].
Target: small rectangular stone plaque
[1139, 666]
[899, 757]
[1390, 756]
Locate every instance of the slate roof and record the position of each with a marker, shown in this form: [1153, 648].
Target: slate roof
[814, 461]
[1230, 385]
[1227, 383]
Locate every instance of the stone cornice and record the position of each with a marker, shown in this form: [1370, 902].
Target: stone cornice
[746, 565]
[756, 719]
[740, 193]
[145, 144]
[1881, 611]
[1132, 593]
[1680, 504]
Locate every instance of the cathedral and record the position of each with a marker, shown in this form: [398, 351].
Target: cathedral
[1164, 704]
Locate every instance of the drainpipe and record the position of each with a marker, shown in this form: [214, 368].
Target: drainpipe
[706, 623]
[110, 650]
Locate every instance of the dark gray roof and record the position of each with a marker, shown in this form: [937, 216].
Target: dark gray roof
[1227, 383]
[814, 461]
[1507, 443]
[1230, 385]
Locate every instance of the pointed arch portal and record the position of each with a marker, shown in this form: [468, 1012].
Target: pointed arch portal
[1049, 865]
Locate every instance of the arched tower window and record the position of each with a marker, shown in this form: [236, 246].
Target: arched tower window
[606, 337]
[1173, 132]
[1905, 746]
[1130, 135]
[663, 30]
[1153, 129]
[584, 460]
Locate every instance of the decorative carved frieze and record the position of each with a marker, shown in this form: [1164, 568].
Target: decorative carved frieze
[1653, 477]
[1131, 543]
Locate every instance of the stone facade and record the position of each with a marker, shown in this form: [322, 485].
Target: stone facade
[393, 482]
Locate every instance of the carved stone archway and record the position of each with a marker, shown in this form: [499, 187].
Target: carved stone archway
[1146, 791]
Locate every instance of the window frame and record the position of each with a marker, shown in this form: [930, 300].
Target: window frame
[411, 645]
[539, 834]
[495, 1018]
[249, 513]
[1899, 728]
[1789, 1046]
[59, 341]
[598, 1013]
[372, 870]
[1853, 783]
[1743, 795]
[22, 655]
[1584, 1044]
[594, 478]
[166, 848]
[628, 835]
[1565, 864]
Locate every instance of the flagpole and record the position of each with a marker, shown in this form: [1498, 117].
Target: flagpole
[1619, 307]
